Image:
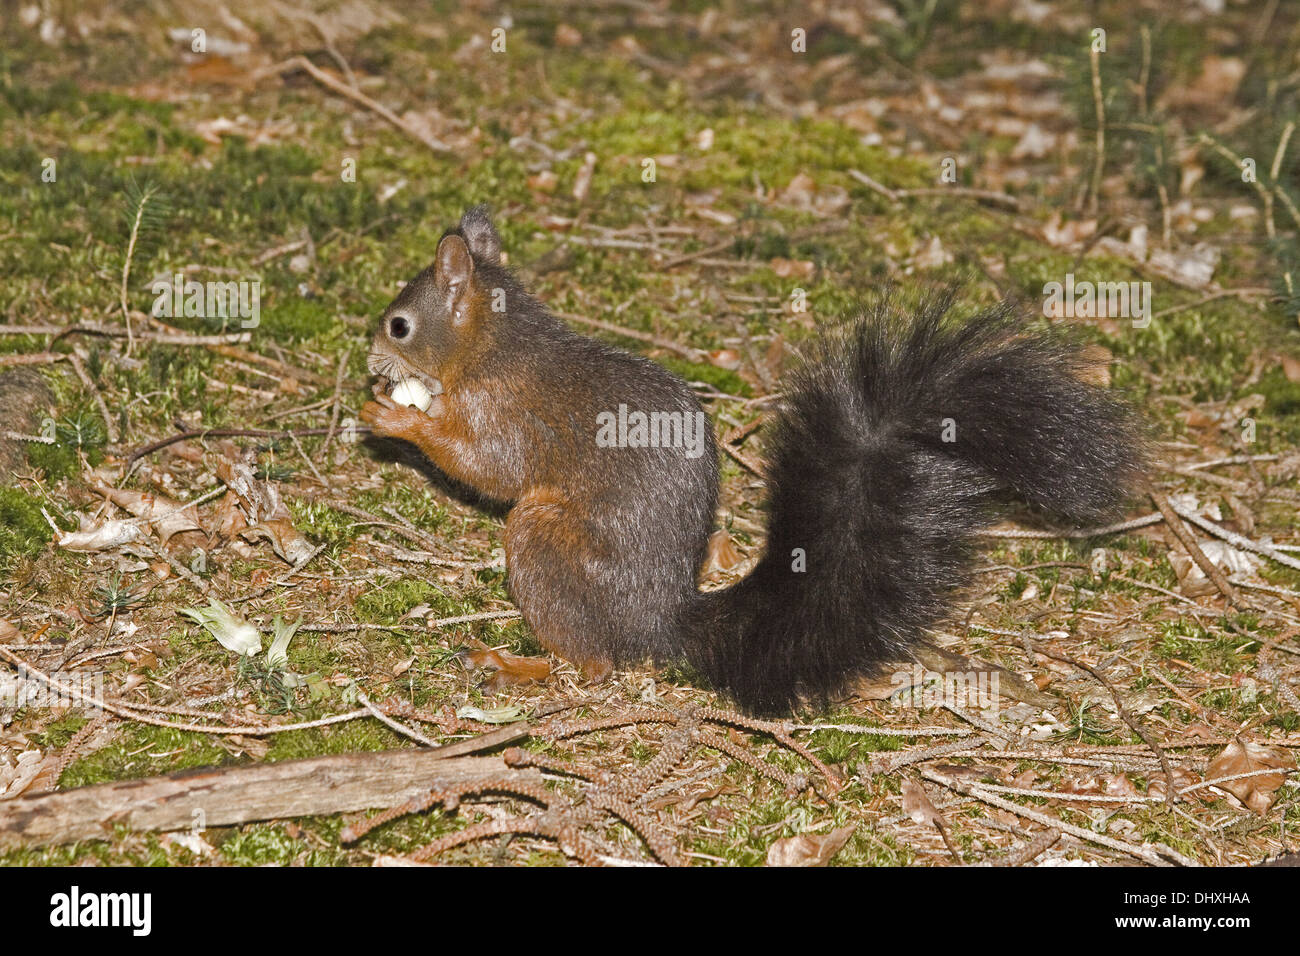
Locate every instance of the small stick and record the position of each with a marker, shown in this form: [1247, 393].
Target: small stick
[396, 725]
[897, 195]
[338, 399]
[323, 78]
[978, 793]
[1129, 525]
[1236, 540]
[80, 368]
[1185, 537]
[1099, 102]
[691, 354]
[152, 447]
[161, 338]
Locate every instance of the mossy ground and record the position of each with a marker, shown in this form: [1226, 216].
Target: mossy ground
[126, 110]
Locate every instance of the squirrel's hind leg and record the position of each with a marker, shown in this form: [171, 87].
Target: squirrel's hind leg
[555, 571]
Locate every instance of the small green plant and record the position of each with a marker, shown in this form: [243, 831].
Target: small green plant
[113, 598]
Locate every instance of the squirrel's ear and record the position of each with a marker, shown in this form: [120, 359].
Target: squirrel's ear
[484, 243]
[453, 265]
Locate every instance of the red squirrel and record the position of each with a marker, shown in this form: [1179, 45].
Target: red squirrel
[891, 440]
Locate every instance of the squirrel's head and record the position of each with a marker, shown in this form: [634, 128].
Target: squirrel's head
[431, 328]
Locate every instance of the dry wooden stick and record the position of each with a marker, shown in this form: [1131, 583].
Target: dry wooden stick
[316, 786]
[1234, 539]
[80, 368]
[1185, 537]
[323, 78]
[978, 793]
[160, 338]
[32, 358]
[161, 443]
[897, 195]
[248, 355]
[1099, 102]
[1130, 525]
[338, 399]
[685, 351]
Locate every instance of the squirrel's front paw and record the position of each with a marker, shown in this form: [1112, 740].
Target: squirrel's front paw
[392, 421]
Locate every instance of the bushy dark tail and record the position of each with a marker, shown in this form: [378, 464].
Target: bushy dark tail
[879, 469]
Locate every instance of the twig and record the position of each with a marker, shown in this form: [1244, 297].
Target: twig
[338, 399]
[1193, 549]
[161, 443]
[979, 793]
[1099, 102]
[898, 195]
[323, 78]
[688, 353]
[1234, 539]
[80, 368]
[1129, 525]
[159, 338]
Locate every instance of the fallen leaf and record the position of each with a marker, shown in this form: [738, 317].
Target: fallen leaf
[807, 849]
[918, 806]
[166, 515]
[792, 268]
[509, 669]
[567, 36]
[722, 554]
[1257, 793]
[101, 537]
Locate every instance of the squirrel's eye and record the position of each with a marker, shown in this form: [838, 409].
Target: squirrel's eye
[399, 326]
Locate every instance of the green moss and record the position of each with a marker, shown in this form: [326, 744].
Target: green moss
[24, 531]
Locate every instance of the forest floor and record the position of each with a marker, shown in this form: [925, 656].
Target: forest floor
[714, 188]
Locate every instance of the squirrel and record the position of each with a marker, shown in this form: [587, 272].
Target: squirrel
[893, 439]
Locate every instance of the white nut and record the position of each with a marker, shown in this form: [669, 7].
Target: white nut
[412, 392]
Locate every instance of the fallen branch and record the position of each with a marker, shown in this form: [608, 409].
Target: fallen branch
[324, 79]
[317, 786]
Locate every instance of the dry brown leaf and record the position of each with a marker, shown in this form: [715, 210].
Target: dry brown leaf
[1182, 778]
[808, 849]
[544, 182]
[918, 806]
[100, 537]
[725, 358]
[286, 540]
[1257, 793]
[266, 513]
[722, 553]
[17, 778]
[167, 515]
[792, 268]
[567, 36]
[508, 668]
[1070, 233]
